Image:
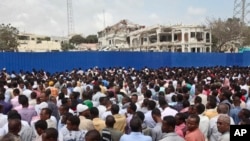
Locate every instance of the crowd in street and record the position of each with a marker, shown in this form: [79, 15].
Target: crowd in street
[124, 104]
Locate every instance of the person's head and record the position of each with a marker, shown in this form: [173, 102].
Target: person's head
[151, 105]
[168, 124]
[125, 100]
[110, 121]
[162, 102]
[244, 113]
[13, 114]
[92, 135]
[193, 122]
[136, 124]
[223, 123]
[83, 110]
[199, 108]
[225, 95]
[148, 94]
[191, 109]
[65, 117]
[198, 89]
[66, 101]
[45, 114]
[73, 123]
[50, 134]
[236, 100]
[222, 108]
[8, 137]
[140, 115]
[244, 121]
[131, 108]
[156, 115]
[197, 100]
[114, 109]
[23, 100]
[103, 100]
[44, 97]
[134, 98]
[211, 103]
[180, 118]
[94, 112]
[14, 126]
[179, 97]
[41, 126]
[33, 95]
[16, 92]
[63, 109]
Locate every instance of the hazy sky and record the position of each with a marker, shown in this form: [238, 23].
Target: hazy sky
[49, 17]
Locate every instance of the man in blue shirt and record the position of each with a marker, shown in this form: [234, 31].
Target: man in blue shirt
[135, 125]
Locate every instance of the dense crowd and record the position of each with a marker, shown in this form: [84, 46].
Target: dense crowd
[124, 104]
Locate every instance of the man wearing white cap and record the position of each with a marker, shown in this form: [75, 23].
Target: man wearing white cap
[83, 111]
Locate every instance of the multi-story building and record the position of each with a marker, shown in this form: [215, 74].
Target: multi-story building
[116, 37]
[176, 38]
[38, 43]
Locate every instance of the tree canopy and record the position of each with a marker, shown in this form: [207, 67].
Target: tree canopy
[230, 31]
[78, 39]
[8, 38]
[65, 46]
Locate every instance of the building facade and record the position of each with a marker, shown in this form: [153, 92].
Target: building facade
[38, 43]
[114, 38]
[176, 38]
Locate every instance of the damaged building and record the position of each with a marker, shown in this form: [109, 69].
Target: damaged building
[176, 38]
[116, 37]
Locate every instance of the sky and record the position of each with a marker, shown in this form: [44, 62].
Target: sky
[49, 17]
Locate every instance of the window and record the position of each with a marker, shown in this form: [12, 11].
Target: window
[192, 34]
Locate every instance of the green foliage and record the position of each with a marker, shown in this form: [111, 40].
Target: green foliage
[65, 46]
[8, 37]
[78, 39]
[91, 39]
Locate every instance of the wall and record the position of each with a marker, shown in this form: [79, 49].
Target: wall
[61, 61]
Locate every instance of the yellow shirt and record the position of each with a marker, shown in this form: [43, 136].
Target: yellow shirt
[210, 113]
[99, 124]
[120, 123]
[85, 124]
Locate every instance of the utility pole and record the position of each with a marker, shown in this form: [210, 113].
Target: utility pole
[242, 11]
[70, 18]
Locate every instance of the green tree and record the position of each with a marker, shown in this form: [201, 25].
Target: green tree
[8, 38]
[76, 39]
[91, 39]
[65, 46]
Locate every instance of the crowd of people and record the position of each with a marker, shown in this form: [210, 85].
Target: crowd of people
[124, 104]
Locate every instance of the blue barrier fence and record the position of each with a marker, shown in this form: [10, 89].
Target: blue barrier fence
[61, 61]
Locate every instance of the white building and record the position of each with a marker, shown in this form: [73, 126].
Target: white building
[38, 43]
[176, 38]
[116, 37]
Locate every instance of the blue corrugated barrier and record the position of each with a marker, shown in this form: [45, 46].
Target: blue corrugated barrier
[61, 61]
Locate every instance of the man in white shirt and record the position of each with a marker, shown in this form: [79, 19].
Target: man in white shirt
[213, 132]
[71, 131]
[97, 95]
